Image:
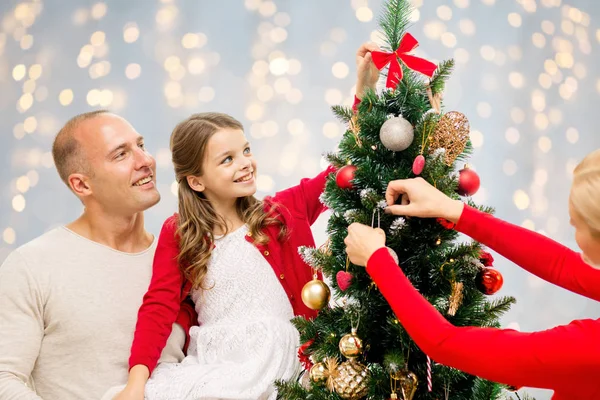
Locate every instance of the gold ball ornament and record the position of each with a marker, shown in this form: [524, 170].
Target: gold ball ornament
[451, 134]
[351, 380]
[351, 345]
[408, 383]
[318, 372]
[316, 294]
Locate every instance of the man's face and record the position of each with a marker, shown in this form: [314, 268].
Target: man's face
[122, 179]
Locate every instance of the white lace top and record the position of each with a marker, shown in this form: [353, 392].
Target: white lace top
[245, 340]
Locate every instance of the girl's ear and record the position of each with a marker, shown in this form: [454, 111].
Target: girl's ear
[195, 183]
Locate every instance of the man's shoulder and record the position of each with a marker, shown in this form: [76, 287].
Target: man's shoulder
[48, 242]
[42, 247]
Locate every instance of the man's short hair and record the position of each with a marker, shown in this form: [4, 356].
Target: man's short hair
[66, 150]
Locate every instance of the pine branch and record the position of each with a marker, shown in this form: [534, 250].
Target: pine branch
[499, 306]
[442, 73]
[394, 21]
[344, 114]
[486, 390]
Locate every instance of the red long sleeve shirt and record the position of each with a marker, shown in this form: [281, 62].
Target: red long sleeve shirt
[298, 207]
[565, 359]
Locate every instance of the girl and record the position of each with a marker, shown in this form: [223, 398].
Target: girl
[566, 358]
[238, 259]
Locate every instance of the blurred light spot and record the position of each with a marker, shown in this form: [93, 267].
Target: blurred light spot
[30, 124]
[18, 203]
[528, 224]
[514, 20]
[516, 79]
[467, 27]
[265, 93]
[444, 13]
[338, 35]
[294, 67]
[282, 85]
[131, 32]
[364, 14]
[484, 109]
[19, 72]
[541, 121]
[538, 100]
[9, 236]
[540, 177]
[97, 38]
[133, 71]
[282, 19]
[331, 130]
[340, 70]
[295, 127]
[538, 40]
[545, 80]
[487, 52]
[548, 27]
[278, 35]
[294, 96]
[333, 96]
[476, 138]
[572, 135]
[279, 66]
[555, 116]
[26, 42]
[196, 65]
[545, 144]
[255, 111]
[448, 39]
[22, 184]
[19, 131]
[521, 199]
[264, 183]
[512, 135]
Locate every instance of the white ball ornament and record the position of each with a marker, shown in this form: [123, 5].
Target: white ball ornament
[396, 134]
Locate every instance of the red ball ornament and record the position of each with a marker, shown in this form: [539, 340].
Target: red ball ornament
[418, 164]
[468, 182]
[489, 281]
[344, 177]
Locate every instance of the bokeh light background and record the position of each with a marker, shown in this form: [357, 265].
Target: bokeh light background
[527, 76]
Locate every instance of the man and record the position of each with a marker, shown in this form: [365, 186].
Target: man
[69, 299]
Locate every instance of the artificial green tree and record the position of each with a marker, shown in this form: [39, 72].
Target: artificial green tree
[401, 132]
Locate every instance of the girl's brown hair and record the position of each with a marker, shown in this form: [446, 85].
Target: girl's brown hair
[197, 217]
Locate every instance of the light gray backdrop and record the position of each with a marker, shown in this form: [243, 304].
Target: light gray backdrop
[526, 77]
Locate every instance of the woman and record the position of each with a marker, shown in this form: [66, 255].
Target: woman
[566, 358]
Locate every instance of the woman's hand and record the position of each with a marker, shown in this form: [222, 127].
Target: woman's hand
[420, 199]
[367, 72]
[362, 241]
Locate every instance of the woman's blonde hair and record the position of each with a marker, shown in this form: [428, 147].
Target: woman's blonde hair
[197, 217]
[585, 193]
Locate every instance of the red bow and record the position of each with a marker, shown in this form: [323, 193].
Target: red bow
[408, 43]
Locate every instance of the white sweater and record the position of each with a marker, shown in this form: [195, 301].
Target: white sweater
[68, 308]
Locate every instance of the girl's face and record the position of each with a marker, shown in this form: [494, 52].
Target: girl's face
[229, 169]
[586, 240]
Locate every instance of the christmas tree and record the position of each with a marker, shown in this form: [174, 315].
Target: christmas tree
[357, 348]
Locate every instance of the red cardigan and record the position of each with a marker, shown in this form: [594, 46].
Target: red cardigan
[565, 359]
[298, 207]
